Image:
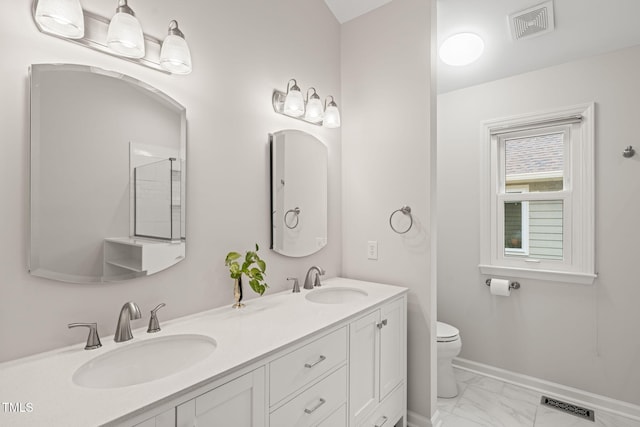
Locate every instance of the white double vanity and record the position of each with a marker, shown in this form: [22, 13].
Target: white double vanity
[333, 356]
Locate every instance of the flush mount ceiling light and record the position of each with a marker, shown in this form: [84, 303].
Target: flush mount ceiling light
[61, 17]
[461, 49]
[175, 55]
[292, 104]
[120, 36]
[125, 33]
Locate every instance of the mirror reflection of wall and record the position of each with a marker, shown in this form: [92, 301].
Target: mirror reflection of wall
[84, 125]
[299, 165]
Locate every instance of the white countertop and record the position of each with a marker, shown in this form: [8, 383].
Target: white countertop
[265, 325]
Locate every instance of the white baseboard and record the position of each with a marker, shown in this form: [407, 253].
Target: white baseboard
[417, 420]
[573, 395]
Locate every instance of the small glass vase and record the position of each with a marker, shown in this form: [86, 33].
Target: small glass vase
[237, 293]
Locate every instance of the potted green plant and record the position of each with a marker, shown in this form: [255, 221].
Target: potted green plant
[253, 267]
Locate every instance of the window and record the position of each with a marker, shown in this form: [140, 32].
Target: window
[516, 223]
[538, 196]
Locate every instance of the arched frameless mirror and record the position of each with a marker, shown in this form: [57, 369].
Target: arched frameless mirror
[108, 157]
[299, 164]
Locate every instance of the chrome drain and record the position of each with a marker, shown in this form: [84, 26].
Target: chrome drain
[569, 408]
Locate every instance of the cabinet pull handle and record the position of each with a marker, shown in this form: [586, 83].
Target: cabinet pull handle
[382, 421]
[312, 410]
[311, 365]
[381, 324]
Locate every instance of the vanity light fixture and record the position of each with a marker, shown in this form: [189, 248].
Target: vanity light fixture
[61, 17]
[331, 114]
[313, 110]
[291, 103]
[120, 36]
[125, 33]
[175, 56]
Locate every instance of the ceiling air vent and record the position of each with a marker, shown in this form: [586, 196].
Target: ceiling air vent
[533, 21]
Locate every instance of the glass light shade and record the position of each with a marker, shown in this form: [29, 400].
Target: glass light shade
[461, 49]
[125, 36]
[61, 17]
[331, 116]
[314, 109]
[175, 56]
[294, 103]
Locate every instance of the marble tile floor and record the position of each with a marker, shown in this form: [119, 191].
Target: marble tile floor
[487, 402]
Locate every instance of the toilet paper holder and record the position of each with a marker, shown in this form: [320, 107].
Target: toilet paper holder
[512, 285]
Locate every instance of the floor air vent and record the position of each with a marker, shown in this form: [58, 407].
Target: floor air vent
[587, 414]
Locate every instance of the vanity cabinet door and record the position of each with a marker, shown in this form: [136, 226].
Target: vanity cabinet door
[364, 365]
[388, 413]
[392, 346]
[377, 358]
[238, 403]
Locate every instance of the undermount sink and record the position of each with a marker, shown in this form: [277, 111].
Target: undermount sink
[338, 295]
[144, 361]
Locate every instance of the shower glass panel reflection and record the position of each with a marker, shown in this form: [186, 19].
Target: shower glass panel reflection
[157, 208]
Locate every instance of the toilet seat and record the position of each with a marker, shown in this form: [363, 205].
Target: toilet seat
[446, 332]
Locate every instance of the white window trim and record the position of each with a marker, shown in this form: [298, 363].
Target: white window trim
[579, 205]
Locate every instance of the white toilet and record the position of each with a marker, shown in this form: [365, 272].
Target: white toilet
[449, 346]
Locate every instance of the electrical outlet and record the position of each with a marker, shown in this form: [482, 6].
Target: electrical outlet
[372, 249]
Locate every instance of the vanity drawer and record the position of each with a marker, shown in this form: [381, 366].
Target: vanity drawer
[315, 404]
[388, 412]
[292, 371]
[337, 419]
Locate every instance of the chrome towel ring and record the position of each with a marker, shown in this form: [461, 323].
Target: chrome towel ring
[296, 213]
[406, 210]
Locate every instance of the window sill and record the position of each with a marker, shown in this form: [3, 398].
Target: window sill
[546, 275]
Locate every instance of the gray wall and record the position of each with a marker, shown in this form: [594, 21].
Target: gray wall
[388, 163]
[239, 57]
[576, 335]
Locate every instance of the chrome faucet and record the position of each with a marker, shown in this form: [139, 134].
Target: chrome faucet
[129, 312]
[307, 280]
